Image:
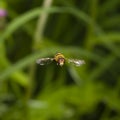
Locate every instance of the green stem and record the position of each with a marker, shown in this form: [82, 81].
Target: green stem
[91, 32]
[42, 23]
[37, 40]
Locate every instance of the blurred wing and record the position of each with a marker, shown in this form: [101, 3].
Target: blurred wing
[76, 62]
[44, 61]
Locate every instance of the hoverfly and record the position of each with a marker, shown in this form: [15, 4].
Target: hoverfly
[60, 60]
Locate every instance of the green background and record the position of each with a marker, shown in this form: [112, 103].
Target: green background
[80, 29]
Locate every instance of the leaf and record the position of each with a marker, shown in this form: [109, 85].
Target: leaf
[45, 52]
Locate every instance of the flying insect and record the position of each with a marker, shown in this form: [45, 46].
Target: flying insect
[60, 59]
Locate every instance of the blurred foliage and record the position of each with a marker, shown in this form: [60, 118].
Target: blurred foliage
[81, 29]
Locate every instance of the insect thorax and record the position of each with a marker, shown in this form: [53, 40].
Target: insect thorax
[58, 56]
